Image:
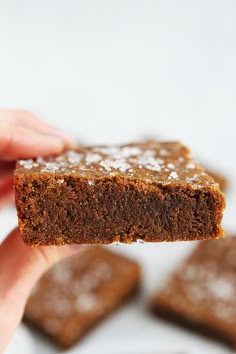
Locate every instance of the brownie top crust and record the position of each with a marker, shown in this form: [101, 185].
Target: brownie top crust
[78, 292]
[201, 292]
[209, 277]
[152, 162]
[83, 278]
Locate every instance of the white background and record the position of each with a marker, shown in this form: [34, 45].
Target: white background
[114, 71]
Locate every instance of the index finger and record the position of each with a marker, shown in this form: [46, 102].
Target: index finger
[23, 135]
[18, 142]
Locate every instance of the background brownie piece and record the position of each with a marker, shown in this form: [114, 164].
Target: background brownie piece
[201, 294]
[78, 292]
[150, 191]
[219, 178]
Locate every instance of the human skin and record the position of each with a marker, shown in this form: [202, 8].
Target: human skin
[23, 135]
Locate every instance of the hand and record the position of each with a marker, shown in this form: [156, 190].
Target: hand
[22, 135]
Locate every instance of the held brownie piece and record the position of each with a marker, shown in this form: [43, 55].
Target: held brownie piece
[80, 291]
[149, 191]
[201, 294]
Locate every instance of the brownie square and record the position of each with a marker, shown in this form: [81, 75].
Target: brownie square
[79, 292]
[152, 191]
[219, 178]
[201, 294]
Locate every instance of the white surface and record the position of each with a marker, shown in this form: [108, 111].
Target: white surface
[21, 342]
[111, 71]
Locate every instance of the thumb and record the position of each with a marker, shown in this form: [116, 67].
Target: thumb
[21, 267]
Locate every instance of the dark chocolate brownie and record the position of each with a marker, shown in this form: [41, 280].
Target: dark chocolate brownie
[201, 294]
[149, 191]
[78, 292]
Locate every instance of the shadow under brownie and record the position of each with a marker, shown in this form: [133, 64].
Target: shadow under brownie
[78, 292]
[150, 191]
[201, 294]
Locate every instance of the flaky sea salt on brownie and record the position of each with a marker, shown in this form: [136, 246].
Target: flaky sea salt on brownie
[78, 292]
[148, 191]
[201, 294]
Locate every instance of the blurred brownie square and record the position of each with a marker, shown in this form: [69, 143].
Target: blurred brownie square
[201, 294]
[79, 292]
[151, 191]
[219, 178]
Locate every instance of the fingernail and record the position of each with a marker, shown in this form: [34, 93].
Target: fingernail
[53, 142]
[67, 139]
[75, 247]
